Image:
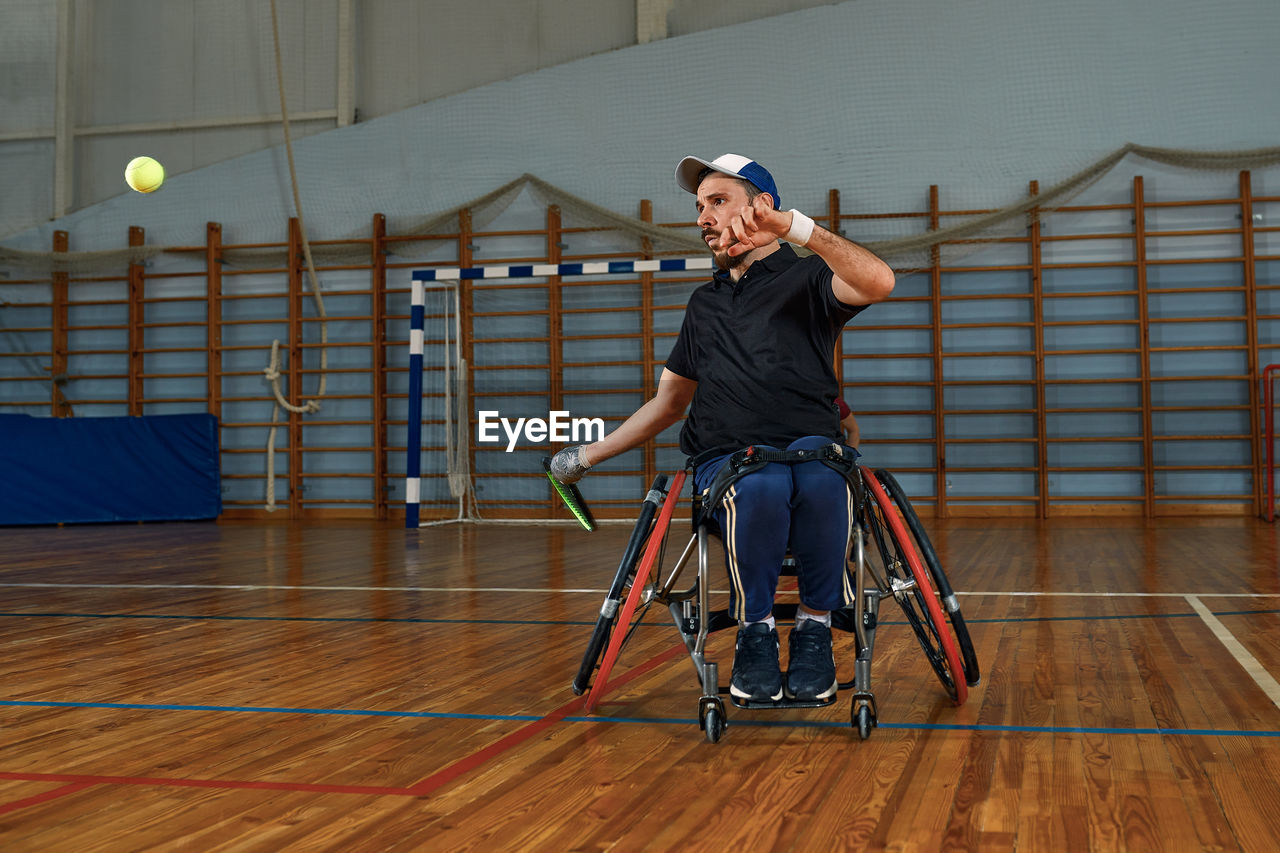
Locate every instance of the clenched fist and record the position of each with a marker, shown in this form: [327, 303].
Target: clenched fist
[570, 464]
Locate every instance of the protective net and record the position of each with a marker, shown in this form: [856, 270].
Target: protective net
[592, 346]
[631, 234]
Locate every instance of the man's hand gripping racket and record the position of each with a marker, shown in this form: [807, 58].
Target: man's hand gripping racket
[564, 470]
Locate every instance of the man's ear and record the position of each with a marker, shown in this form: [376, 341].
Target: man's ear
[770, 201]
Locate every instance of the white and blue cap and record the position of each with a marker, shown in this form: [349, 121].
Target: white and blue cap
[729, 164]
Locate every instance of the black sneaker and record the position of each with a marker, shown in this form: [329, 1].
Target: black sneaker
[756, 674]
[811, 672]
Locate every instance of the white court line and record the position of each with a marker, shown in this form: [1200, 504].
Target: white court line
[1247, 661]
[1186, 595]
[296, 587]
[1135, 594]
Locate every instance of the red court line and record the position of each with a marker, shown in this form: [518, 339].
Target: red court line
[165, 781]
[77, 781]
[45, 797]
[471, 762]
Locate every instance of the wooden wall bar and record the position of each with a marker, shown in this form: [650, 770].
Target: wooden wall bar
[939, 403]
[1144, 335]
[230, 390]
[1249, 270]
[292, 371]
[1037, 307]
[555, 327]
[137, 323]
[378, 331]
[650, 370]
[213, 317]
[60, 406]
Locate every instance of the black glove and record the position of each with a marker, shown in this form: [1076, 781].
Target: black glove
[570, 464]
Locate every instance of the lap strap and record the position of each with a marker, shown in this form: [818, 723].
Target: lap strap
[752, 459]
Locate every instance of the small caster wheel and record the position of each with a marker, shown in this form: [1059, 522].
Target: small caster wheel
[864, 721]
[711, 718]
[713, 723]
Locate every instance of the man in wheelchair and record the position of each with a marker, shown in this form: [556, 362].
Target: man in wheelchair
[753, 366]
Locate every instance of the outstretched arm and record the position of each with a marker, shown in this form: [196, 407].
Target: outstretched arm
[666, 407]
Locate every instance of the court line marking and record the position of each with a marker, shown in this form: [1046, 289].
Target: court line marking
[420, 788]
[77, 782]
[302, 588]
[169, 781]
[1101, 594]
[536, 725]
[477, 759]
[44, 797]
[958, 727]
[563, 714]
[575, 591]
[571, 623]
[409, 620]
[471, 762]
[265, 709]
[1242, 655]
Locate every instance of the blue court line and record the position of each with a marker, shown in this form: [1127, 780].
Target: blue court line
[688, 721]
[1242, 612]
[953, 727]
[252, 709]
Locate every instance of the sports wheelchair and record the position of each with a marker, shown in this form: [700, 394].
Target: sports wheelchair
[890, 548]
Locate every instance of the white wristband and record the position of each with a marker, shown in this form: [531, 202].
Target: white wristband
[801, 228]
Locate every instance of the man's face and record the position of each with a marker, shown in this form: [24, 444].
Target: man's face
[720, 198]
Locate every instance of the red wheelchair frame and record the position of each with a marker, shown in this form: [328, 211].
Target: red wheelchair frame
[890, 546]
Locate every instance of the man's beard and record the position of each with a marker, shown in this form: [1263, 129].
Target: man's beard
[723, 259]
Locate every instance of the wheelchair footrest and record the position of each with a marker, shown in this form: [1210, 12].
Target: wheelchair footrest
[845, 619]
[784, 702]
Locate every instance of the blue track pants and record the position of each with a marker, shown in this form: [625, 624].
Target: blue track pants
[803, 508]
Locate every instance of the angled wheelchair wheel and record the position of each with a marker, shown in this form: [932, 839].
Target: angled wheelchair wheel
[631, 612]
[912, 588]
[618, 590]
[924, 546]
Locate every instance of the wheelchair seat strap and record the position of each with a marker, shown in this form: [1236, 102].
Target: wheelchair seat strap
[751, 459]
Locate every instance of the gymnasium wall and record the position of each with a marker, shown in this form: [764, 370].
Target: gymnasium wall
[876, 97]
[879, 100]
[27, 71]
[192, 81]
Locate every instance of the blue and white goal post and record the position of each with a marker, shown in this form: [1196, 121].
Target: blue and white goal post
[447, 278]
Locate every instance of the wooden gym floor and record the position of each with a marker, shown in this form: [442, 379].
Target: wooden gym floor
[357, 686]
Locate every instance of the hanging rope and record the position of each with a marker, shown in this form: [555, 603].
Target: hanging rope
[272, 370]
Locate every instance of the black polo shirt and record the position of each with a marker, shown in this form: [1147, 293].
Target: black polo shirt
[761, 350]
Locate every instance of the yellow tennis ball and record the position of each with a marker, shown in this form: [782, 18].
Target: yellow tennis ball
[144, 174]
